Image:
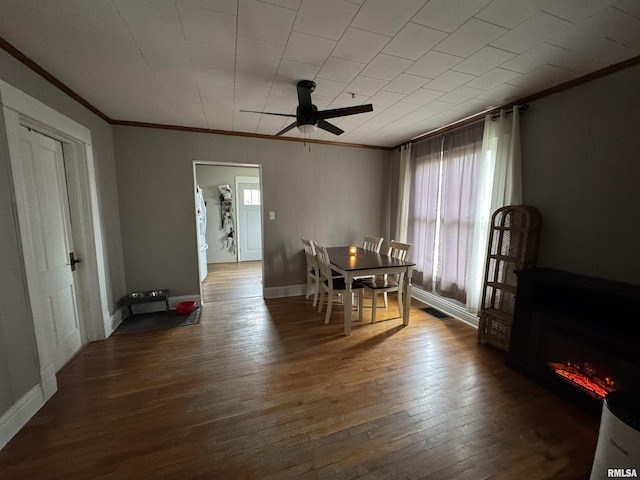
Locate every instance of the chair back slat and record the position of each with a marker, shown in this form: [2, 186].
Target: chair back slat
[372, 244]
[310, 253]
[399, 250]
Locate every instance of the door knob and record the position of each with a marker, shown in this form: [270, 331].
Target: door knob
[73, 261]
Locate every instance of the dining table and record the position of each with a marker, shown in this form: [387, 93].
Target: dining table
[353, 262]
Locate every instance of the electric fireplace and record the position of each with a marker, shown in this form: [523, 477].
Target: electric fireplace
[577, 335]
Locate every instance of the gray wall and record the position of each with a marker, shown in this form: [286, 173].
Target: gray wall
[581, 168]
[209, 177]
[18, 354]
[334, 195]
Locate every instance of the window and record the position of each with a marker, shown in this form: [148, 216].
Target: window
[446, 197]
[251, 197]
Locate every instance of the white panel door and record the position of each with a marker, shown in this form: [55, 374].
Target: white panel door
[50, 279]
[249, 231]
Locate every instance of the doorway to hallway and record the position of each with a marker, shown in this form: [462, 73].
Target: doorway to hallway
[234, 280]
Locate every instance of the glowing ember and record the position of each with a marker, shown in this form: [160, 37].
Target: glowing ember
[585, 377]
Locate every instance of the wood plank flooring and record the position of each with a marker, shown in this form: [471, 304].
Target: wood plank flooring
[264, 390]
[227, 281]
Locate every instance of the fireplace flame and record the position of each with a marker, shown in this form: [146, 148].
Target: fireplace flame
[585, 377]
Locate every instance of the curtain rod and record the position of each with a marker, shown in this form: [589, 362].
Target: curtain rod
[467, 121]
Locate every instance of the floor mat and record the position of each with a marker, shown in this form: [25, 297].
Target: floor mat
[435, 313]
[146, 322]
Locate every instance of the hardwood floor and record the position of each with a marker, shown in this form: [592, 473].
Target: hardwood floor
[227, 281]
[264, 390]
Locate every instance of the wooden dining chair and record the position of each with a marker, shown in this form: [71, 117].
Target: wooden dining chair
[387, 283]
[372, 244]
[333, 286]
[313, 273]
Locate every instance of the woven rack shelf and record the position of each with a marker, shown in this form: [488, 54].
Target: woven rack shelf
[513, 245]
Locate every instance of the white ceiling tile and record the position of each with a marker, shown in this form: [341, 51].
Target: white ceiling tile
[208, 55]
[386, 17]
[413, 41]
[493, 78]
[433, 64]
[359, 45]
[483, 60]
[543, 77]
[386, 99]
[258, 52]
[329, 88]
[212, 79]
[363, 85]
[581, 39]
[305, 48]
[532, 32]
[402, 108]
[290, 71]
[386, 67]
[340, 70]
[470, 107]
[448, 15]
[405, 83]
[632, 7]
[577, 11]
[509, 13]
[470, 38]
[260, 77]
[435, 107]
[264, 22]
[616, 25]
[503, 94]
[538, 56]
[422, 96]
[290, 4]
[449, 80]
[328, 18]
[460, 94]
[207, 26]
[224, 6]
[198, 62]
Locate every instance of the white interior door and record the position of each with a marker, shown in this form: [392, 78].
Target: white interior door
[50, 278]
[249, 229]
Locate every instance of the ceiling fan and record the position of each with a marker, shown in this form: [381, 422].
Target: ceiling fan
[309, 118]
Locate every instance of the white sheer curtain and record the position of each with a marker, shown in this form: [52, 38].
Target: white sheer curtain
[461, 171]
[500, 184]
[404, 187]
[426, 157]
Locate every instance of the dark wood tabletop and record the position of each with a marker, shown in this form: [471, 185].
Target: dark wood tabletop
[363, 259]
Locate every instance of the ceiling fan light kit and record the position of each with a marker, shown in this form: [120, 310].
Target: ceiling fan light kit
[309, 118]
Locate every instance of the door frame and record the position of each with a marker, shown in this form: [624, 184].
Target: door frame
[239, 180]
[195, 220]
[19, 109]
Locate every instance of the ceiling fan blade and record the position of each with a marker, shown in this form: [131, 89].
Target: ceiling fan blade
[329, 127]
[341, 112]
[305, 87]
[269, 113]
[287, 128]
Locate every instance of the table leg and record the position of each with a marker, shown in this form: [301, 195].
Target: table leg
[348, 297]
[407, 296]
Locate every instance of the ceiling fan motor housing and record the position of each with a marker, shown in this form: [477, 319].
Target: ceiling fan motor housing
[307, 116]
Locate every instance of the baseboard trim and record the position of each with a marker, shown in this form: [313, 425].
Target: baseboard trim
[285, 291]
[444, 306]
[20, 413]
[113, 322]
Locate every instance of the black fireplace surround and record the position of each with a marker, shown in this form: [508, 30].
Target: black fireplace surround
[577, 335]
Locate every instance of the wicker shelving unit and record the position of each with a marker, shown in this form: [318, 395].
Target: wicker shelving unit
[513, 245]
